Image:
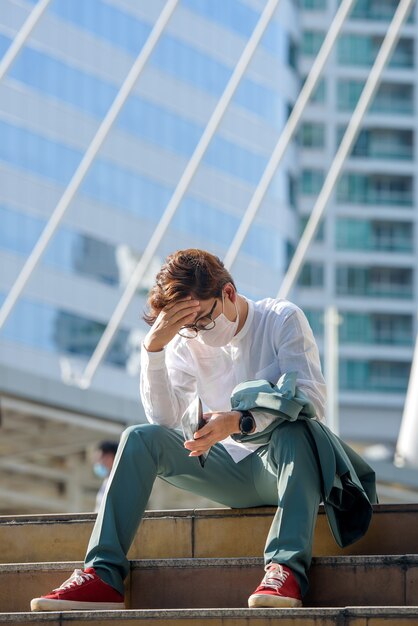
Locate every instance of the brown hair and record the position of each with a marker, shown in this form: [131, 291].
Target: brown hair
[184, 273]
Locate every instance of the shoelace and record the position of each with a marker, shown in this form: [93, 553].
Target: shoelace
[78, 577]
[275, 577]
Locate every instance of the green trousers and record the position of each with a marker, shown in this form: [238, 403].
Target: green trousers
[283, 473]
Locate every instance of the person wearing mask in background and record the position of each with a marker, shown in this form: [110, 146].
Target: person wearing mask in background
[208, 340]
[104, 457]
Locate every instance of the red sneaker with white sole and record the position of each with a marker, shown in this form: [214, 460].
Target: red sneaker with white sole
[84, 590]
[279, 588]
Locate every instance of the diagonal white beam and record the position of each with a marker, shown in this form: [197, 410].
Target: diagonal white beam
[22, 36]
[85, 378]
[347, 142]
[86, 161]
[407, 444]
[288, 131]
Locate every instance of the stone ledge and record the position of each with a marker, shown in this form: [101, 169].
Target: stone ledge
[339, 615]
[204, 533]
[404, 560]
[48, 518]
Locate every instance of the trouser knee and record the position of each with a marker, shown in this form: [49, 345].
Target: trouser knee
[145, 441]
[142, 432]
[291, 439]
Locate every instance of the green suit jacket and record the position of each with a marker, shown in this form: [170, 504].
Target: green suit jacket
[348, 482]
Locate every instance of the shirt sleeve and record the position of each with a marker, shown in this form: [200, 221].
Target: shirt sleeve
[298, 352]
[262, 420]
[166, 387]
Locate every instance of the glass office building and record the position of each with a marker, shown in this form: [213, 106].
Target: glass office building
[369, 236]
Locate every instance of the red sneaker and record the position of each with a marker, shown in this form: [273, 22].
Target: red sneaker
[279, 588]
[83, 590]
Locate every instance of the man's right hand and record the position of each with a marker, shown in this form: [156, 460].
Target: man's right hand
[169, 321]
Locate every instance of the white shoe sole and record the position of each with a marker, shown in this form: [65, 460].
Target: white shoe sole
[264, 600]
[45, 604]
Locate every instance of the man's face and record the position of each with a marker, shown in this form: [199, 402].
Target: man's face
[210, 309]
[105, 459]
[208, 312]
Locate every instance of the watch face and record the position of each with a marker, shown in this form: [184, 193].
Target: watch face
[246, 424]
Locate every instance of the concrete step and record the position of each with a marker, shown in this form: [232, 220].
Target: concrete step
[201, 533]
[227, 583]
[348, 616]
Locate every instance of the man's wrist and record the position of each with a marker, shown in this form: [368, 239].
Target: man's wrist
[243, 423]
[152, 346]
[235, 418]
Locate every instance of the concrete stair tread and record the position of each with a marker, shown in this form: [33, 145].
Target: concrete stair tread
[210, 561]
[227, 582]
[325, 616]
[264, 511]
[197, 533]
[195, 562]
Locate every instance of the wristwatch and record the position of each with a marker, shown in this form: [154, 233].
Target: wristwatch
[246, 423]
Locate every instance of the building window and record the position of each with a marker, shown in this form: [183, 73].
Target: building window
[315, 318]
[292, 190]
[391, 375]
[311, 42]
[318, 96]
[374, 235]
[312, 135]
[381, 376]
[363, 49]
[353, 234]
[290, 251]
[320, 232]
[375, 189]
[390, 97]
[311, 275]
[55, 330]
[393, 329]
[374, 9]
[382, 143]
[376, 328]
[313, 5]
[393, 236]
[375, 282]
[312, 181]
[292, 54]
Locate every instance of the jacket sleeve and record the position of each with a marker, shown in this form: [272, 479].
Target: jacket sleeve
[281, 402]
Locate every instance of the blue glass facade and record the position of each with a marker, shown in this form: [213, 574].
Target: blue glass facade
[164, 117]
[51, 329]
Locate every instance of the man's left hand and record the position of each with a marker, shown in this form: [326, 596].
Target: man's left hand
[219, 426]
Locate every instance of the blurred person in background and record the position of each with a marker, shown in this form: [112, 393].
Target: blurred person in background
[104, 457]
[207, 340]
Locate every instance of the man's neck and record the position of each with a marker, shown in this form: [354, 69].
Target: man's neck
[242, 306]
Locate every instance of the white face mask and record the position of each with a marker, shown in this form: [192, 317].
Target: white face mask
[223, 331]
[100, 470]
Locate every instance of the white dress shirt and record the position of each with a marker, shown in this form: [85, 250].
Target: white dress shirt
[276, 338]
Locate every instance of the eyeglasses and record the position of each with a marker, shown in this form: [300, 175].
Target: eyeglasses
[203, 323]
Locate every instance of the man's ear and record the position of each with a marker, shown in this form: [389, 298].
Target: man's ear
[230, 291]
